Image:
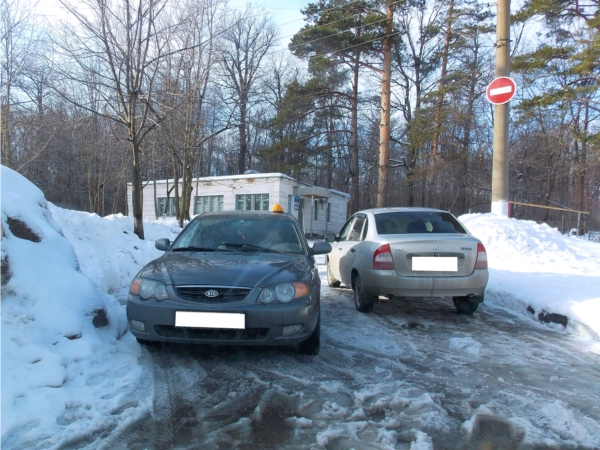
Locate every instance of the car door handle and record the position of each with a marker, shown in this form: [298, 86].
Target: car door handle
[352, 250]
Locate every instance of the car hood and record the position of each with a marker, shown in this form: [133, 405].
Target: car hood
[227, 269]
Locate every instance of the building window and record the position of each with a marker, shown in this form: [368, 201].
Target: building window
[328, 212]
[290, 198]
[165, 209]
[316, 210]
[208, 203]
[256, 202]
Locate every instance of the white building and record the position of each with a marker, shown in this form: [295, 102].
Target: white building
[317, 209]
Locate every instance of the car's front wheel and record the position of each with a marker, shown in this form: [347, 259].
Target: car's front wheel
[464, 305]
[363, 302]
[312, 345]
[331, 281]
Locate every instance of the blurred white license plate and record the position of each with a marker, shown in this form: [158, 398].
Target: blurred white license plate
[435, 264]
[210, 320]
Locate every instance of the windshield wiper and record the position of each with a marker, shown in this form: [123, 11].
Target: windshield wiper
[245, 246]
[259, 248]
[195, 249]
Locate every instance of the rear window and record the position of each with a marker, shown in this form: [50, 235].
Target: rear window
[407, 222]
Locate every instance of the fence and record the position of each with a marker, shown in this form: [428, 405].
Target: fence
[564, 220]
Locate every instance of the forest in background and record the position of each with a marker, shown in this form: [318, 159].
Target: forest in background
[141, 90]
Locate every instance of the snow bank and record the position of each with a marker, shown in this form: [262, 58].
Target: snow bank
[66, 364]
[537, 271]
[109, 252]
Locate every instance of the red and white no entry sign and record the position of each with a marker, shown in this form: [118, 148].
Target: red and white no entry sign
[501, 90]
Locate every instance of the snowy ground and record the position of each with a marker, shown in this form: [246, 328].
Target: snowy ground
[72, 375]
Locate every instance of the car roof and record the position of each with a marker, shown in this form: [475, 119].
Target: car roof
[399, 209]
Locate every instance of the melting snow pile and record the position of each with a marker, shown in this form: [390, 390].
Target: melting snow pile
[65, 359]
[537, 271]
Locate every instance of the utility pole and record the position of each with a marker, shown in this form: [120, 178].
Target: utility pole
[500, 159]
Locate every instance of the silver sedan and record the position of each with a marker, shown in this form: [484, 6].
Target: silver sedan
[408, 252]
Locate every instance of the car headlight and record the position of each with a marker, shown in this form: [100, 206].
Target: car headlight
[149, 289]
[283, 292]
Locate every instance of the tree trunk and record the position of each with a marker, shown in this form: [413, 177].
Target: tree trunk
[330, 141]
[243, 138]
[154, 182]
[581, 167]
[470, 117]
[5, 143]
[354, 165]
[438, 111]
[186, 191]
[384, 124]
[136, 191]
[176, 188]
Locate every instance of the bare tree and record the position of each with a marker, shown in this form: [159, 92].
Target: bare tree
[439, 106]
[115, 48]
[249, 37]
[18, 37]
[186, 80]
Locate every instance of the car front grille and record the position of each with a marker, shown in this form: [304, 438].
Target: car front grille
[224, 294]
[211, 334]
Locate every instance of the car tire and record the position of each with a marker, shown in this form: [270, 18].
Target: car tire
[363, 302]
[331, 281]
[312, 345]
[464, 305]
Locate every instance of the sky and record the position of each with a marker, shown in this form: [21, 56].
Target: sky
[285, 14]
[68, 376]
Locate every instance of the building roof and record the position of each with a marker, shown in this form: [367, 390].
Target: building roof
[244, 176]
[247, 176]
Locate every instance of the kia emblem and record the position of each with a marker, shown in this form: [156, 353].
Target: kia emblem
[211, 293]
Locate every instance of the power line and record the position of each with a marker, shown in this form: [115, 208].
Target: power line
[357, 45]
[339, 32]
[325, 10]
[335, 21]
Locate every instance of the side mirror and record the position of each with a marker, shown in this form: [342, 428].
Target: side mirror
[330, 237]
[162, 244]
[320, 248]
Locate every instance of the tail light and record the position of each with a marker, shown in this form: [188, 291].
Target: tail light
[382, 258]
[481, 262]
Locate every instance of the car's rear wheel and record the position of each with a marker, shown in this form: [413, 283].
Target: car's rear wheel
[312, 345]
[331, 281]
[464, 305]
[363, 302]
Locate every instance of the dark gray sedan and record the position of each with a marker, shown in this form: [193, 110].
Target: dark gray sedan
[236, 277]
[408, 252]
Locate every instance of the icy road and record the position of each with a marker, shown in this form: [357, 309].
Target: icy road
[412, 374]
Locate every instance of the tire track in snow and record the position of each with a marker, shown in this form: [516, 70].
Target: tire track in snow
[409, 372]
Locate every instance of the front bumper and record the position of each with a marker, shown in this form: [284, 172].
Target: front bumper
[388, 282]
[264, 324]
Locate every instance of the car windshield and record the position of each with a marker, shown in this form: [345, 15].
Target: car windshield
[235, 233]
[406, 222]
